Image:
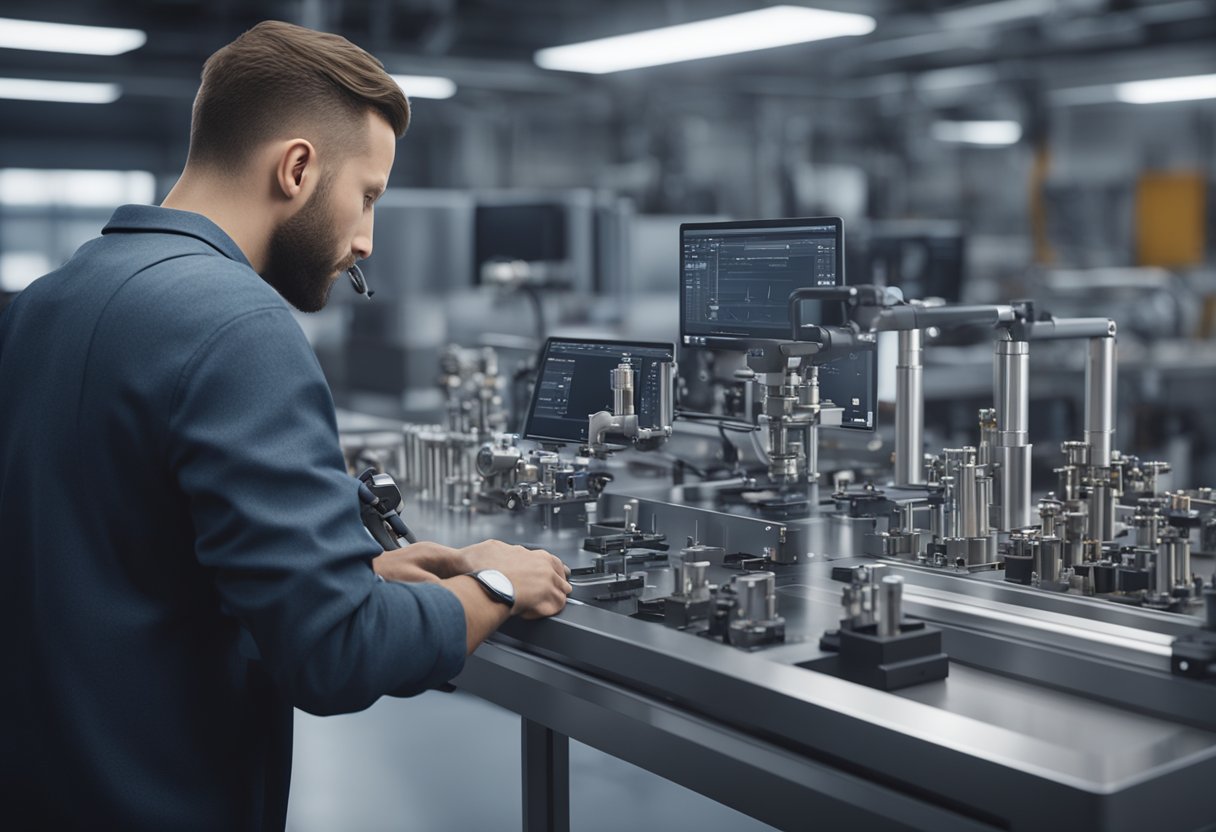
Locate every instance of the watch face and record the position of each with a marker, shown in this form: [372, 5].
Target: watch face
[497, 581]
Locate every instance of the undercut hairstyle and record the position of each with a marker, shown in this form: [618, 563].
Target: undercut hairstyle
[281, 81]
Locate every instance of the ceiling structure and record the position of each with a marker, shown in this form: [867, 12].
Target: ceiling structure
[956, 56]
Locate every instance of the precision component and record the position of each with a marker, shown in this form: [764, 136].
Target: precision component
[875, 646]
[890, 607]
[910, 398]
[623, 420]
[1012, 379]
[754, 620]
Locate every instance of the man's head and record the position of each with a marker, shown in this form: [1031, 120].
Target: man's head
[310, 121]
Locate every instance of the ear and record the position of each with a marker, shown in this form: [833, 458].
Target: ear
[296, 169]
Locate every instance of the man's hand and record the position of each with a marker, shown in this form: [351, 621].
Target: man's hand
[539, 578]
[421, 561]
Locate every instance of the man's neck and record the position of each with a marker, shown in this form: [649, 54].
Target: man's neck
[248, 227]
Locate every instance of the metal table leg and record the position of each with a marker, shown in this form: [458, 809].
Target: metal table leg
[546, 778]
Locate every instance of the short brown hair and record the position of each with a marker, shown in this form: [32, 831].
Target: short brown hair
[278, 79]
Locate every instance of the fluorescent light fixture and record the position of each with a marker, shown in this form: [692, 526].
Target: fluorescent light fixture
[978, 132]
[75, 188]
[38, 36]
[729, 35]
[426, 86]
[29, 89]
[1160, 90]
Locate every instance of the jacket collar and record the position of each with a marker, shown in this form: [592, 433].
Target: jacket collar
[128, 218]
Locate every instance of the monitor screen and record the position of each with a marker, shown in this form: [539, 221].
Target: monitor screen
[735, 283]
[529, 232]
[736, 277]
[851, 382]
[573, 381]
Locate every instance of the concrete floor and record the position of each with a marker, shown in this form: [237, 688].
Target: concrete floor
[443, 762]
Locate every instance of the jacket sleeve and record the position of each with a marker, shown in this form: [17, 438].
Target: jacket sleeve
[253, 443]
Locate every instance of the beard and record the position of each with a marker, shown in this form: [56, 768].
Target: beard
[300, 260]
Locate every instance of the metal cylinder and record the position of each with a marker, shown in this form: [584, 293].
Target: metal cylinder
[1068, 483]
[987, 424]
[1049, 515]
[1101, 511]
[1017, 510]
[1147, 523]
[1076, 453]
[696, 580]
[622, 390]
[1012, 391]
[1164, 567]
[1050, 559]
[909, 410]
[890, 607]
[1100, 398]
[757, 596]
[1074, 537]
[1182, 561]
[969, 509]
[1012, 394]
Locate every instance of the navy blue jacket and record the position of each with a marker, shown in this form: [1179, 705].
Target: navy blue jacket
[181, 554]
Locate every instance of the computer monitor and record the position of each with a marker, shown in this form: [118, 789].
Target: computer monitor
[573, 380]
[735, 283]
[925, 259]
[534, 233]
[736, 277]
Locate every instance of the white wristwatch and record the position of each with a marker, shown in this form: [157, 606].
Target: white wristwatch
[497, 586]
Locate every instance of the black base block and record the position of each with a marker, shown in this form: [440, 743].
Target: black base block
[886, 663]
[1194, 655]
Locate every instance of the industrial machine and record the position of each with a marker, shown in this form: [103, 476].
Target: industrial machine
[947, 646]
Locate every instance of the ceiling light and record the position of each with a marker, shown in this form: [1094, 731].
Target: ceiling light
[29, 89]
[729, 35]
[38, 36]
[426, 86]
[1187, 88]
[978, 132]
[75, 188]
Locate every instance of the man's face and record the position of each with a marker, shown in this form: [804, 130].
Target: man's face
[314, 247]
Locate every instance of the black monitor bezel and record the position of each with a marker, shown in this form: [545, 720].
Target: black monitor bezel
[742, 343]
[540, 363]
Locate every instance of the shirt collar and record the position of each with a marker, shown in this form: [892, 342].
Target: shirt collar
[172, 221]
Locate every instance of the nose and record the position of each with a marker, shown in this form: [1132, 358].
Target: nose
[361, 245]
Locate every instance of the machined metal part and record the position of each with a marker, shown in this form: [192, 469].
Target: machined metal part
[1049, 515]
[1101, 511]
[1164, 574]
[1100, 398]
[988, 441]
[1073, 525]
[1050, 560]
[691, 580]
[1012, 388]
[890, 607]
[1153, 471]
[909, 410]
[622, 390]
[755, 620]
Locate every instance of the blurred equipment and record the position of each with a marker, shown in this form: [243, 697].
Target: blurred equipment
[925, 259]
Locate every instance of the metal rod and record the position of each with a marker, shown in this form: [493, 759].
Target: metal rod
[1100, 399]
[909, 410]
[1011, 371]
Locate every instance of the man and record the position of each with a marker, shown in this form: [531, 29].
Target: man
[183, 559]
